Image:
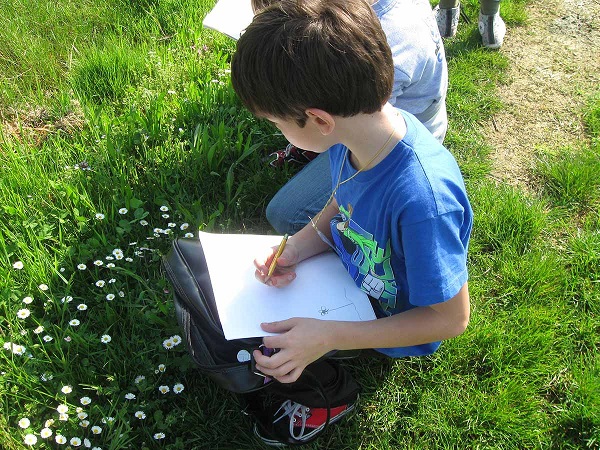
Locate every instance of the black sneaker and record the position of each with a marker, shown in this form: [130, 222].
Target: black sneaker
[291, 155]
[294, 423]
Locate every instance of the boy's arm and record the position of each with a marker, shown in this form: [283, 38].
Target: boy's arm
[307, 240]
[303, 341]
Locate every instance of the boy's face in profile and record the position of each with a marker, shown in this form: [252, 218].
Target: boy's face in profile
[309, 137]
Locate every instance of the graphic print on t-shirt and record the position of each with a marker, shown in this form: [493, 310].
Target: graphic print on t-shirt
[366, 261]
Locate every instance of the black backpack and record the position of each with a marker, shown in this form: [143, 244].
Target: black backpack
[226, 362]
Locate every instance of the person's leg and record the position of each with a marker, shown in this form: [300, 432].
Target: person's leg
[491, 25]
[302, 197]
[446, 14]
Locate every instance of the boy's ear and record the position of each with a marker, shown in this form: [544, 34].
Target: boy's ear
[321, 119]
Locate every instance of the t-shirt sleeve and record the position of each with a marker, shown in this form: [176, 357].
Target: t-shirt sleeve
[435, 252]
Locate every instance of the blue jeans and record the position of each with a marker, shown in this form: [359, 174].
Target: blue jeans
[302, 197]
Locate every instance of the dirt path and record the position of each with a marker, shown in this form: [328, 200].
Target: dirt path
[554, 66]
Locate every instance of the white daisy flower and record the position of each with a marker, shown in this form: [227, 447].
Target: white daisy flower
[67, 299]
[178, 388]
[66, 389]
[163, 389]
[98, 262]
[15, 348]
[128, 259]
[123, 211]
[46, 433]
[85, 401]
[62, 269]
[105, 339]
[130, 396]
[62, 409]
[80, 267]
[24, 422]
[188, 235]
[168, 344]
[110, 265]
[112, 280]
[17, 265]
[143, 223]
[165, 216]
[100, 283]
[139, 379]
[48, 423]
[184, 226]
[108, 419]
[159, 436]
[119, 257]
[39, 329]
[96, 429]
[84, 423]
[43, 287]
[82, 307]
[60, 439]
[75, 441]
[171, 225]
[96, 448]
[140, 415]
[23, 313]
[158, 230]
[164, 208]
[99, 216]
[47, 338]
[30, 439]
[28, 300]
[74, 322]
[162, 367]
[176, 339]
[63, 417]
[109, 258]
[82, 415]
[110, 297]
[46, 376]
[121, 294]
[87, 443]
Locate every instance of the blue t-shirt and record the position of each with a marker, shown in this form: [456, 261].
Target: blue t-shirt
[404, 226]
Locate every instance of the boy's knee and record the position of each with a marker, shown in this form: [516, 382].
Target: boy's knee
[278, 215]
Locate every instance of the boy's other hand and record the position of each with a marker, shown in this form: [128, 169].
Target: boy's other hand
[285, 271]
[295, 350]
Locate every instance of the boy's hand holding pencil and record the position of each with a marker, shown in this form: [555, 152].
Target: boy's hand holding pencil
[278, 266]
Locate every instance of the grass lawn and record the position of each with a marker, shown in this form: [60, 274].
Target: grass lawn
[120, 131]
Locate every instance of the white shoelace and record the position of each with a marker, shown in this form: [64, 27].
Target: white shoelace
[294, 410]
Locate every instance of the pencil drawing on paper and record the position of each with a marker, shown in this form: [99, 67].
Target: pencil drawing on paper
[324, 310]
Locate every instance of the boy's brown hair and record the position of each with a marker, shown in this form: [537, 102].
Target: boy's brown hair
[260, 4]
[325, 54]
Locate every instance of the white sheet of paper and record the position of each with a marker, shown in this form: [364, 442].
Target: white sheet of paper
[322, 288]
[230, 17]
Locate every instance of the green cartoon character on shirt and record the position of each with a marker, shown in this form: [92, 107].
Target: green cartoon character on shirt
[367, 262]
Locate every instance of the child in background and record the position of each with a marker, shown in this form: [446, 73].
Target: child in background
[420, 85]
[398, 214]
[491, 26]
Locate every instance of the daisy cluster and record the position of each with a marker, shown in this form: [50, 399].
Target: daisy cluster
[46, 323]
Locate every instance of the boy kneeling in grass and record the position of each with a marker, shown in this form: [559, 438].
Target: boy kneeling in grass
[398, 217]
